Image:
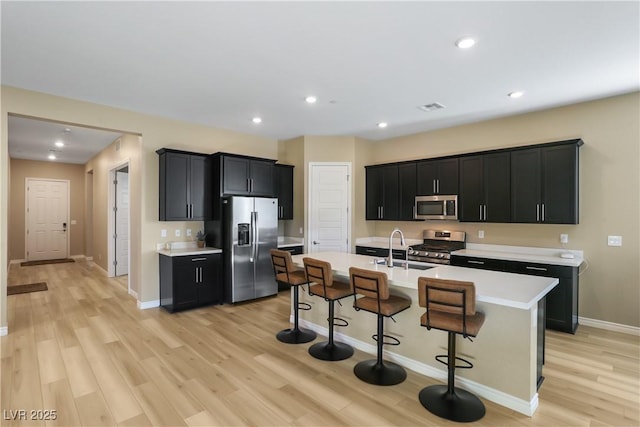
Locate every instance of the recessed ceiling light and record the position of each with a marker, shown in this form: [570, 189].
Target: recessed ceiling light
[59, 143]
[311, 99]
[256, 120]
[52, 156]
[465, 42]
[383, 125]
[516, 94]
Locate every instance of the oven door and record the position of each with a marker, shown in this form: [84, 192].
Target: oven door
[436, 207]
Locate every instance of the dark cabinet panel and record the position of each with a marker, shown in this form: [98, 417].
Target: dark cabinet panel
[406, 190]
[382, 192]
[293, 250]
[283, 184]
[437, 177]
[380, 252]
[190, 281]
[185, 186]
[544, 184]
[243, 176]
[485, 188]
[561, 303]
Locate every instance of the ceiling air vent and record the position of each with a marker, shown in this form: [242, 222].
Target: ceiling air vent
[431, 107]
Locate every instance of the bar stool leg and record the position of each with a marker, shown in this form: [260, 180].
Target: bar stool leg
[378, 371]
[330, 350]
[295, 335]
[448, 401]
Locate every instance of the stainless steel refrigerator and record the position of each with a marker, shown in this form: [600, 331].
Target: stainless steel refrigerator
[250, 231]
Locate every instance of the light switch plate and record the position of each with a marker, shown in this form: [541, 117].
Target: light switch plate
[481, 234]
[188, 232]
[564, 238]
[614, 240]
[178, 232]
[163, 233]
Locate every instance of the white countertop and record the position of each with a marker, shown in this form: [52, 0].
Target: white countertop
[383, 242]
[523, 254]
[507, 289]
[184, 249]
[284, 242]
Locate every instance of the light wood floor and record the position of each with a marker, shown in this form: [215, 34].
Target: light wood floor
[83, 349]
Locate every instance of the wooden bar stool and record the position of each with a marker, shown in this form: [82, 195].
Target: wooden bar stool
[451, 307]
[373, 288]
[319, 273]
[286, 273]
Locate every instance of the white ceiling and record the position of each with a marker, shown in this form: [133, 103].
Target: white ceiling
[222, 63]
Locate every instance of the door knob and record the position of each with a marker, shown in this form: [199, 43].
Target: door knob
[315, 243]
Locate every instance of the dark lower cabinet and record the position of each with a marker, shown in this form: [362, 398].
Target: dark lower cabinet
[380, 252]
[293, 250]
[561, 302]
[190, 281]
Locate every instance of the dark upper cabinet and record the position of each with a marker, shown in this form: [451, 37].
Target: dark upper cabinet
[245, 176]
[382, 192]
[185, 186]
[544, 184]
[406, 190]
[283, 184]
[437, 177]
[485, 188]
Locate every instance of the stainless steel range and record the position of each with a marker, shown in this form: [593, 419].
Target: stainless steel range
[437, 246]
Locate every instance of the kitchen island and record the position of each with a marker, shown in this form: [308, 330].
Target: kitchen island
[507, 353]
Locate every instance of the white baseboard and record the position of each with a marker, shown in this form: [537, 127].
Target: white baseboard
[527, 408]
[133, 293]
[610, 326]
[89, 258]
[4, 330]
[16, 261]
[144, 305]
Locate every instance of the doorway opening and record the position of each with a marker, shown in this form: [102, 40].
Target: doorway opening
[119, 222]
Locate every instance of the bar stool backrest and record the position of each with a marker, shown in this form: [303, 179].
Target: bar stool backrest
[282, 262]
[449, 296]
[372, 284]
[318, 271]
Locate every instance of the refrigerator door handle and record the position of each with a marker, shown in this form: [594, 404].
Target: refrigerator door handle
[252, 237]
[257, 236]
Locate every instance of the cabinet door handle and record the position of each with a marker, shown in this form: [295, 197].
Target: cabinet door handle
[370, 251]
[201, 274]
[196, 271]
[187, 210]
[434, 187]
[438, 186]
[485, 211]
[536, 268]
[543, 215]
[471, 261]
[248, 185]
[382, 210]
[198, 259]
[480, 212]
[537, 212]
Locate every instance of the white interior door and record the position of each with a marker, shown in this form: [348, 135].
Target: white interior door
[122, 223]
[47, 219]
[329, 207]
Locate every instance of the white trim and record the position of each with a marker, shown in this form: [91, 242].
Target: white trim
[349, 201]
[133, 293]
[99, 269]
[4, 331]
[144, 305]
[522, 406]
[17, 261]
[609, 326]
[26, 212]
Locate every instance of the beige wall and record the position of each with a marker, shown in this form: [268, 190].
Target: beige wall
[291, 152]
[22, 169]
[609, 193]
[125, 149]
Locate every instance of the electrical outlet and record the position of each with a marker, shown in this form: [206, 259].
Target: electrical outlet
[564, 238]
[481, 234]
[163, 233]
[301, 230]
[188, 232]
[178, 232]
[614, 240]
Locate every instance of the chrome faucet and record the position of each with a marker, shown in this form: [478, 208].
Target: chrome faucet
[390, 259]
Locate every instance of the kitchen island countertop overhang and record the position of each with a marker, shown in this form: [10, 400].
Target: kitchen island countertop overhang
[506, 353]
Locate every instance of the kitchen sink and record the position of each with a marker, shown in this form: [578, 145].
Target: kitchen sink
[401, 264]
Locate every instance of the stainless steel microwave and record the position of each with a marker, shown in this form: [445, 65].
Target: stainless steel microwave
[436, 207]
